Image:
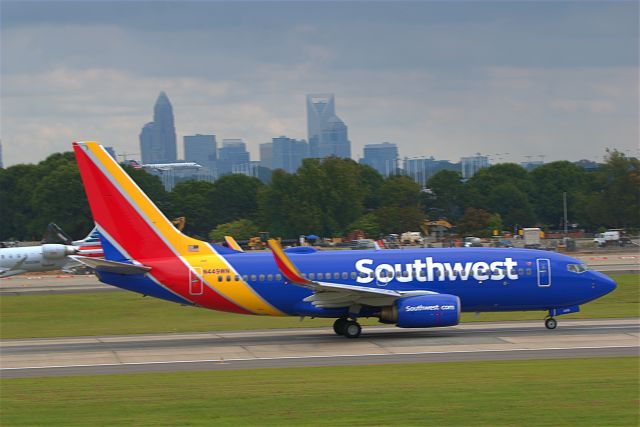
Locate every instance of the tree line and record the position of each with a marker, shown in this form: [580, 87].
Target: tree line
[333, 196]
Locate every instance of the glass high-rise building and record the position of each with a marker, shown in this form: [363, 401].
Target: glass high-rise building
[158, 138]
[201, 149]
[287, 153]
[382, 157]
[233, 153]
[471, 165]
[328, 135]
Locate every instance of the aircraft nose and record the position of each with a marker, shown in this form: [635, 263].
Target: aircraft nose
[604, 284]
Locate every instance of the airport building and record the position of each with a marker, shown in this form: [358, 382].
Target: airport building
[172, 173]
[158, 138]
[327, 134]
[382, 157]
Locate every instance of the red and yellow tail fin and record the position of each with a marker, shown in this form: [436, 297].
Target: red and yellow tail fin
[133, 229]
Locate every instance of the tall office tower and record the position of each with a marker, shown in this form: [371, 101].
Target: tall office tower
[266, 155]
[471, 165]
[112, 153]
[158, 138]
[288, 153]
[201, 149]
[327, 133]
[382, 157]
[232, 153]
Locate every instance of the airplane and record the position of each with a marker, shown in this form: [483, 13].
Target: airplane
[46, 257]
[413, 288]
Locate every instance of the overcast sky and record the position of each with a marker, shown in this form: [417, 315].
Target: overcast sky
[442, 79]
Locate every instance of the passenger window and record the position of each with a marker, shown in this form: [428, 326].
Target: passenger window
[336, 276]
[245, 278]
[236, 278]
[353, 275]
[228, 278]
[278, 277]
[345, 276]
[521, 271]
[312, 276]
[327, 276]
[270, 278]
[219, 278]
[528, 272]
[253, 277]
[304, 275]
[262, 277]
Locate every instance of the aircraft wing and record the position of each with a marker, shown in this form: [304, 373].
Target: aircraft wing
[14, 269]
[334, 295]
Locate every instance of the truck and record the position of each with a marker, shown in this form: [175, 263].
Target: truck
[531, 237]
[611, 238]
[411, 238]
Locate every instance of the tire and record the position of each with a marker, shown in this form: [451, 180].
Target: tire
[352, 329]
[551, 323]
[339, 326]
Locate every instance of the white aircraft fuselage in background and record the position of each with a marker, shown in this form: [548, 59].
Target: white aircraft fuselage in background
[34, 258]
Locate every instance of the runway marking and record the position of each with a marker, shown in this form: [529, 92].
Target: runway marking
[219, 360]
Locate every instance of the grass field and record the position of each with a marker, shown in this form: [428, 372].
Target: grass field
[114, 313]
[561, 392]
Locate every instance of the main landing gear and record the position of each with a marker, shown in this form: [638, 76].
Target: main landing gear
[346, 327]
[550, 323]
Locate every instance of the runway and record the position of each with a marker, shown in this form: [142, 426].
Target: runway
[316, 347]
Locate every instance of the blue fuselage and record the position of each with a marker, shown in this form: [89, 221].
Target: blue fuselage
[484, 279]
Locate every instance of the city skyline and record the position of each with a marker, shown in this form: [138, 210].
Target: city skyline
[553, 79]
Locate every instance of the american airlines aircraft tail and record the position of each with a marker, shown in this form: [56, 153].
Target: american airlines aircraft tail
[418, 288]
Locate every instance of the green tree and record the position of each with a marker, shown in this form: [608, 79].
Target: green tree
[550, 181]
[241, 229]
[194, 201]
[445, 199]
[505, 189]
[235, 197]
[615, 198]
[17, 184]
[478, 222]
[367, 223]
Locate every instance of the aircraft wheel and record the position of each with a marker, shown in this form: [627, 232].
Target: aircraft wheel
[551, 323]
[339, 326]
[352, 329]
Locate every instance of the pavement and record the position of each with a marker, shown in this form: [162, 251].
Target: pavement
[316, 347]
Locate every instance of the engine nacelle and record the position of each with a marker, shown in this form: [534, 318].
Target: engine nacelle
[424, 311]
[56, 251]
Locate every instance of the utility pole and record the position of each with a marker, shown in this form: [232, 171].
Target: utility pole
[564, 203]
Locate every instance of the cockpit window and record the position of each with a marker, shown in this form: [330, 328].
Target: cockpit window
[577, 268]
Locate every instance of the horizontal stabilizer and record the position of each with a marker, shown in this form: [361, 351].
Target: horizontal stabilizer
[111, 266]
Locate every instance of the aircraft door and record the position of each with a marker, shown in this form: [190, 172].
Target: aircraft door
[196, 287]
[544, 272]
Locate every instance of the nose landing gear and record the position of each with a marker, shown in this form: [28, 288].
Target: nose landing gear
[550, 323]
[347, 328]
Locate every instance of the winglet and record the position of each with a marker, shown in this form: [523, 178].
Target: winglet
[231, 242]
[288, 269]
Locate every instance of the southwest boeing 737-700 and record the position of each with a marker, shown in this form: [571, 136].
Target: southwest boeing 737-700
[413, 288]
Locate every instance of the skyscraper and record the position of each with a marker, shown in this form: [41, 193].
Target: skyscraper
[287, 153]
[201, 149]
[327, 133]
[382, 157]
[158, 138]
[471, 165]
[232, 153]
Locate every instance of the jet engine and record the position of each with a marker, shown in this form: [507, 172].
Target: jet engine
[424, 311]
[56, 251]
